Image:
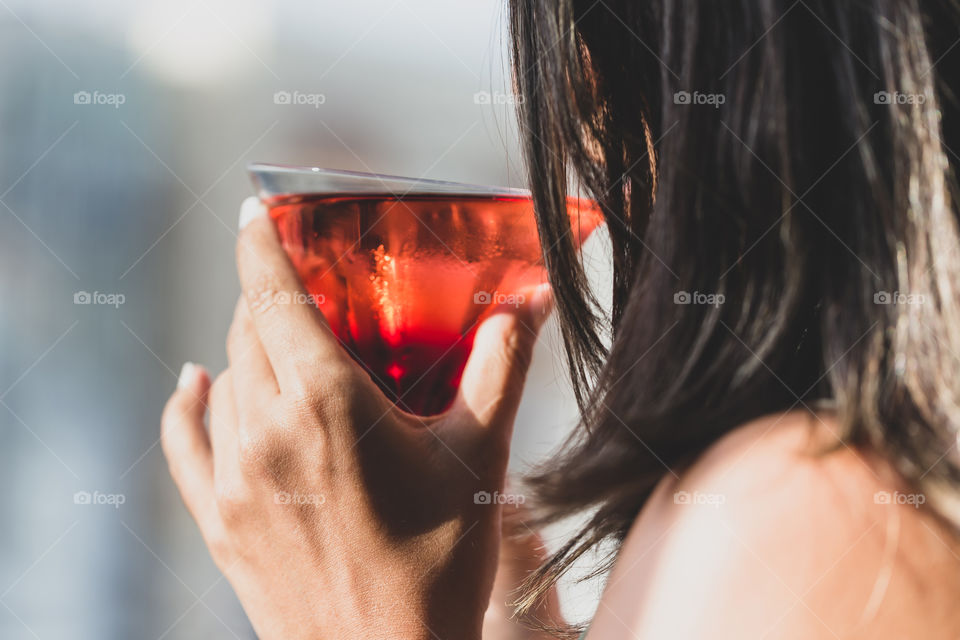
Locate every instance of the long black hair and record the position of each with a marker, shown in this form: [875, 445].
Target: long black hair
[778, 183]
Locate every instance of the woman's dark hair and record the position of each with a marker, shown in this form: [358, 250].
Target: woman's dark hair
[795, 160]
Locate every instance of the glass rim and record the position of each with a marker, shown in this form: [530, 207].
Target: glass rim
[274, 180]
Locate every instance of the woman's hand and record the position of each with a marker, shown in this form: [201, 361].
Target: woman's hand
[332, 513]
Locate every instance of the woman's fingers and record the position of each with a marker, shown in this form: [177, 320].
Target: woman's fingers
[492, 381]
[253, 380]
[293, 332]
[224, 430]
[186, 444]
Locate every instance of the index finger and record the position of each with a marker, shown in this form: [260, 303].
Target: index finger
[293, 332]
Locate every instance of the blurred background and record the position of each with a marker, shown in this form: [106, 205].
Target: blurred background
[125, 127]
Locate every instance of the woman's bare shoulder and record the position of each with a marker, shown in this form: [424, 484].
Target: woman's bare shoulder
[771, 535]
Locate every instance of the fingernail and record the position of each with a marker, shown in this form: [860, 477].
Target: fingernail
[250, 209]
[187, 374]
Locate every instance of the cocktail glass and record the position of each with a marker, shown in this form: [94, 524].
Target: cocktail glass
[405, 269]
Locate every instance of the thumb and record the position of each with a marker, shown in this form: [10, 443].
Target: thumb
[492, 381]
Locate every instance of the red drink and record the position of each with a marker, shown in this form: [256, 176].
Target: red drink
[404, 282]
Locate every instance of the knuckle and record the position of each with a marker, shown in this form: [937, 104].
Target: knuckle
[251, 448]
[516, 356]
[264, 293]
[220, 546]
[305, 383]
[233, 501]
[322, 391]
[303, 412]
[263, 454]
[307, 392]
[306, 379]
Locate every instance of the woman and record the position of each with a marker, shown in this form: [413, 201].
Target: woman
[770, 440]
